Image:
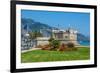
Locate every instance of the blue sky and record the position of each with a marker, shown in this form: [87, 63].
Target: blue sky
[78, 21]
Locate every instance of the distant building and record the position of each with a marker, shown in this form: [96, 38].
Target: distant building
[26, 42]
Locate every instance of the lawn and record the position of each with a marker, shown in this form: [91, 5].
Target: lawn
[46, 56]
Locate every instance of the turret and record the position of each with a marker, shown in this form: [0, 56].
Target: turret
[72, 34]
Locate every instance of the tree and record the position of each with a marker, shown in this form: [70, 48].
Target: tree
[51, 39]
[55, 44]
[35, 34]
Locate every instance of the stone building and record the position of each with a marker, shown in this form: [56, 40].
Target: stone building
[64, 36]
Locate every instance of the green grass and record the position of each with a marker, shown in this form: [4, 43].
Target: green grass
[46, 56]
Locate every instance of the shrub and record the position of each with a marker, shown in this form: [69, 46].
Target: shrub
[54, 44]
[46, 47]
[70, 45]
[51, 39]
[62, 47]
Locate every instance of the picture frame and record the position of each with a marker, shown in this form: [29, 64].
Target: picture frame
[18, 65]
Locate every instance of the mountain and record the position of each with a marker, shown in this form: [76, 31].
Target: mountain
[31, 25]
[82, 37]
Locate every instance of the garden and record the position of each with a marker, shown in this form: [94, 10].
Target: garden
[56, 51]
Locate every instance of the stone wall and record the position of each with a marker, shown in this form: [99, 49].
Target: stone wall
[42, 40]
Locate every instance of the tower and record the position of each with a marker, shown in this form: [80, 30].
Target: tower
[73, 36]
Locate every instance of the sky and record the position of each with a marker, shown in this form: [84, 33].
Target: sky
[61, 20]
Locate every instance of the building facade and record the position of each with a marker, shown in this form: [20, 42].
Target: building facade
[64, 36]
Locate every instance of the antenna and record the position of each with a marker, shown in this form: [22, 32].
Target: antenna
[27, 28]
[58, 26]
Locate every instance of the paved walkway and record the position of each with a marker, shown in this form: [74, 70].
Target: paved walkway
[30, 50]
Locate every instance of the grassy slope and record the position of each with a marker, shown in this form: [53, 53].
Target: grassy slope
[45, 56]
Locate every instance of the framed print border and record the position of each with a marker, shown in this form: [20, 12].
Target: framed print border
[13, 35]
